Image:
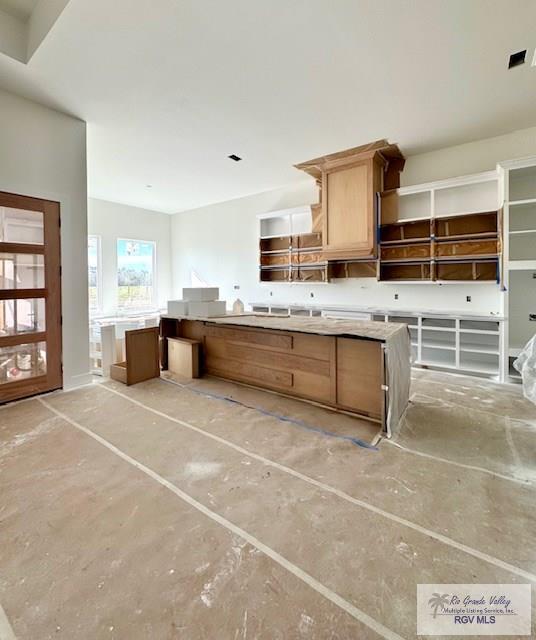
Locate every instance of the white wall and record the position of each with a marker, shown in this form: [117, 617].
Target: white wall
[111, 221]
[12, 36]
[472, 157]
[43, 154]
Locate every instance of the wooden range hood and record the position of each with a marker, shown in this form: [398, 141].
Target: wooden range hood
[349, 181]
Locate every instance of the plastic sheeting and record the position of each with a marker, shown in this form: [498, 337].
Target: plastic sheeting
[526, 365]
[398, 377]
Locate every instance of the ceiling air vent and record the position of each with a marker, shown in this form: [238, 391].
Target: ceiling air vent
[517, 58]
[234, 157]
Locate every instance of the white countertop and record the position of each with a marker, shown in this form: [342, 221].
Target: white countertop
[466, 315]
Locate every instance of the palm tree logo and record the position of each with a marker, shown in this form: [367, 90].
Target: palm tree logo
[437, 600]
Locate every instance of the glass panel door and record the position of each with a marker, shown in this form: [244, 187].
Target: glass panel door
[30, 296]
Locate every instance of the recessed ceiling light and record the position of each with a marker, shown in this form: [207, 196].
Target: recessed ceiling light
[517, 58]
[234, 157]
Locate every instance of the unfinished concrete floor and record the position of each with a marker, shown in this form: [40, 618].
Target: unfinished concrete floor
[160, 512]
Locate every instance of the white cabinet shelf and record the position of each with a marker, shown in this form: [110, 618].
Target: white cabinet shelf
[519, 257]
[476, 193]
[516, 203]
[477, 348]
[285, 222]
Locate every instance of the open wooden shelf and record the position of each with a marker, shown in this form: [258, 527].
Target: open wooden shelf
[467, 225]
[467, 236]
[296, 258]
[408, 252]
[405, 231]
[406, 271]
[349, 269]
[467, 270]
[309, 274]
[307, 241]
[278, 243]
[454, 248]
[309, 257]
[274, 275]
[394, 243]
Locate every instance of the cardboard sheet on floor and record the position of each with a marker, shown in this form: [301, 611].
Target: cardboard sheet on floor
[296, 413]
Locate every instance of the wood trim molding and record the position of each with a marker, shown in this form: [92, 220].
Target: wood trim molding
[22, 338]
[22, 294]
[19, 247]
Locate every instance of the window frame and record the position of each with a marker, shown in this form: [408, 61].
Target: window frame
[98, 309]
[154, 297]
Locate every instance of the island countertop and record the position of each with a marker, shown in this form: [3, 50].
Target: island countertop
[369, 330]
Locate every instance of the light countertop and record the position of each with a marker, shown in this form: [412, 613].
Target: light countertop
[369, 330]
[379, 310]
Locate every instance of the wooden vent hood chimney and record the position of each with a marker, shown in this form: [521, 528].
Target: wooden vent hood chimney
[349, 181]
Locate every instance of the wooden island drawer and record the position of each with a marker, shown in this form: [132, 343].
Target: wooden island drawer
[246, 372]
[270, 339]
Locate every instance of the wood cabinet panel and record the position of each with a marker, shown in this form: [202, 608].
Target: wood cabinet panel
[244, 372]
[349, 181]
[193, 329]
[251, 336]
[275, 360]
[294, 374]
[313, 346]
[359, 375]
[347, 204]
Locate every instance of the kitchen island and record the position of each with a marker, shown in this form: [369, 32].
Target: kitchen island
[358, 367]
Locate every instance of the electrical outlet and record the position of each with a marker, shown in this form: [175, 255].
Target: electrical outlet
[532, 317]
[396, 296]
[468, 298]
[236, 287]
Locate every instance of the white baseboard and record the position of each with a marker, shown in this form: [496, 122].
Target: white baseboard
[81, 380]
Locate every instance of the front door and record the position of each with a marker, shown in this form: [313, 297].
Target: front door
[30, 296]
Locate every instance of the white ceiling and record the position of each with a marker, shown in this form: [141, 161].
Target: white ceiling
[170, 88]
[21, 9]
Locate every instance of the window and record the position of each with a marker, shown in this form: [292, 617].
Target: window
[135, 274]
[94, 269]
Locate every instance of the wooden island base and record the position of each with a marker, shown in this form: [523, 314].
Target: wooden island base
[347, 373]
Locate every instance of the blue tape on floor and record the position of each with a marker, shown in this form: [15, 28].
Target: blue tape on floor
[329, 434]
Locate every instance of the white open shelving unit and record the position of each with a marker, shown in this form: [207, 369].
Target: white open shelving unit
[286, 222]
[475, 193]
[454, 343]
[519, 256]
